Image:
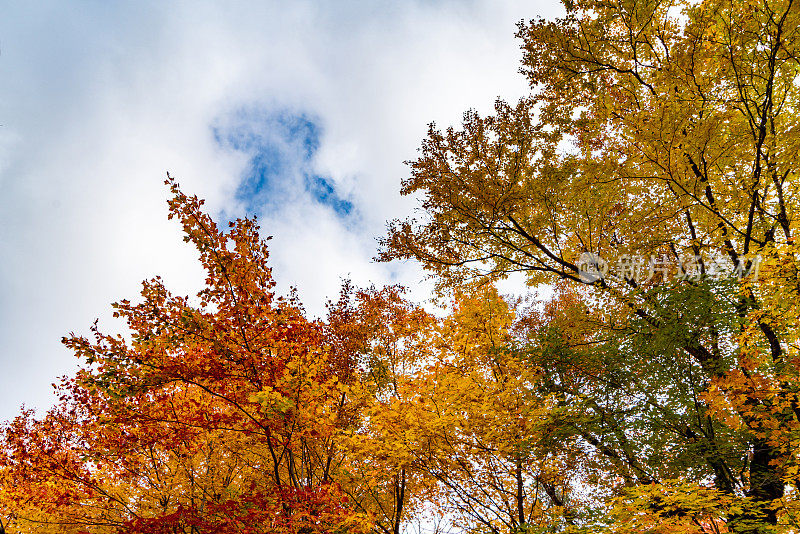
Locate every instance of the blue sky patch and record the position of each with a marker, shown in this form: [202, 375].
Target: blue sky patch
[323, 192]
[281, 148]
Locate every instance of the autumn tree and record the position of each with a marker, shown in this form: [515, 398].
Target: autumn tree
[391, 336]
[476, 425]
[663, 130]
[222, 413]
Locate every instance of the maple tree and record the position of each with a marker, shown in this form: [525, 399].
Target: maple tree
[473, 421]
[392, 335]
[663, 130]
[222, 413]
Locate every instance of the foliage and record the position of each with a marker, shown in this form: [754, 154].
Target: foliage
[221, 414]
[663, 130]
[657, 397]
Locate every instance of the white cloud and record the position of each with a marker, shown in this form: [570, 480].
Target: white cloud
[98, 100]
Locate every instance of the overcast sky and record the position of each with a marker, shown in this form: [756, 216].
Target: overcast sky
[299, 112]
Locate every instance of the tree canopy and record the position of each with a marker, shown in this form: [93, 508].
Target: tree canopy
[650, 179]
[658, 153]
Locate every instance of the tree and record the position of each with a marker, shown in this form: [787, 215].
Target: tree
[392, 337]
[657, 130]
[222, 413]
[477, 426]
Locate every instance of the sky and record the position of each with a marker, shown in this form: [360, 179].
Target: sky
[299, 112]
